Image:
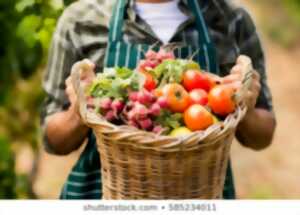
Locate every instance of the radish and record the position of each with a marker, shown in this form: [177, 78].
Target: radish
[131, 115]
[117, 105]
[105, 103]
[157, 129]
[145, 97]
[110, 116]
[133, 123]
[163, 55]
[150, 54]
[152, 63]
[155, 109]
[140, 111]
[162, 101]
[133, 96]
[149, 96]
[146, 124]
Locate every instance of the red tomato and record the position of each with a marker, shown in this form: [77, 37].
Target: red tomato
[196, 117]
[198, 96]
[177, 98]
[195, 79]
[220, 100]
[150, 82]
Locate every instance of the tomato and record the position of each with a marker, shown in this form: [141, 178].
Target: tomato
[198, 96]
[150, 82]
[195, 79]
[181, 131]
[220, 100]
[216, 120]
[196, 117]
[177, 98]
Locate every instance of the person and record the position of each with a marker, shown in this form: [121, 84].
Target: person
[117, 33]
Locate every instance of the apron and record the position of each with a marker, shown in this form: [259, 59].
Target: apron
[84, 181]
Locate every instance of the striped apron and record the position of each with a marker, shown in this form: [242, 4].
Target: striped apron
[84, 181]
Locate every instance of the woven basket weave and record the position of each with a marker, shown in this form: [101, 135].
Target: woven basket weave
[136, 164]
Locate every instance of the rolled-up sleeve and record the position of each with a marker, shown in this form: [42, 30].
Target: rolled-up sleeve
[249, 44]
[62, 55]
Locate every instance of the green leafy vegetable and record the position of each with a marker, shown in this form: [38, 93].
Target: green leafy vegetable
[170, 71]
[115, 83]
[169, 120]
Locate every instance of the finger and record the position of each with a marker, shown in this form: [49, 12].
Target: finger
[235, 85]
[251, 99]
[236, 69]
[88, 64]
[69, 90]
[231, 78]
[243, 60]
[256, 86]
[256, 75]
[68, 81]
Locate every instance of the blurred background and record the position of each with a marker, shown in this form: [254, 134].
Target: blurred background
[26, 171]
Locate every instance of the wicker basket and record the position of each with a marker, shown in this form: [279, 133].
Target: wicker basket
[136, 164]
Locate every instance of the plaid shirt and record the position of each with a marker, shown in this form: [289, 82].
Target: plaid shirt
[82, 32]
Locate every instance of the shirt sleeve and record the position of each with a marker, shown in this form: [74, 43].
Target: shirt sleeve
[62, 56]
[249, 44]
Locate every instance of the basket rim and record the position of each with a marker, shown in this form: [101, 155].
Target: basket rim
[148, 140]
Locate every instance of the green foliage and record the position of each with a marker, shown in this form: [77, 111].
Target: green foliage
[7, 176]
[25, 34]
[114, 83]
[169, 120]
[171, 71]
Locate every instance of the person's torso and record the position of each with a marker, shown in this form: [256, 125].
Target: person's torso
[89, 21]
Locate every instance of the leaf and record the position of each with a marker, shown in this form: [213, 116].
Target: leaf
[23, 4]
[123, 72]
[114, 83]
[167, 119]
[27, 29]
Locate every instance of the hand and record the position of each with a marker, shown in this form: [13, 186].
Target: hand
[86, 69]
[235, 79]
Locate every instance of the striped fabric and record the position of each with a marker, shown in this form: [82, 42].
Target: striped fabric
[83, 32]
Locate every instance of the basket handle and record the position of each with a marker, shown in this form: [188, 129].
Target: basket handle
[82, 70]
[247, 78]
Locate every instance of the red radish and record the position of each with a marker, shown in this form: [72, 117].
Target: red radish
[133, 123]
[157, 129]
[150, 97]
[144, 65]
[105, 103]
[133, 96]
[146, 124]
[141, 97]
[162, 101]
[153, 63]
[140, 110]
[163, 55]
[131, 115]
[145, 97]
[117, 105]
[150, 54]
[155, 109]
[110, 116]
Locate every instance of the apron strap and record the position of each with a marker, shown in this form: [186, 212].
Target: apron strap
[204, 37]
[117, 20]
